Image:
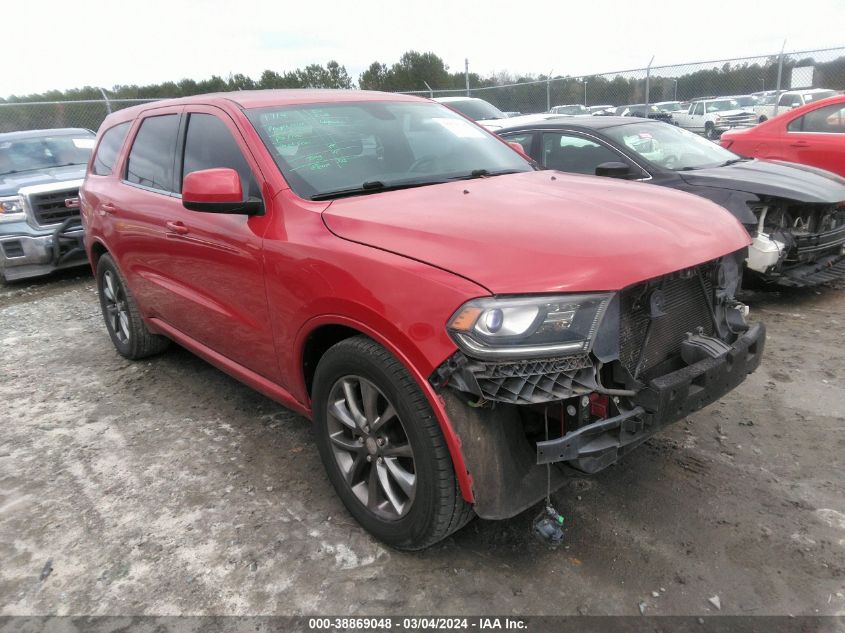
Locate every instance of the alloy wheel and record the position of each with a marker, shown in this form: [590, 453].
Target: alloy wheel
[371, 447]
[117, 309]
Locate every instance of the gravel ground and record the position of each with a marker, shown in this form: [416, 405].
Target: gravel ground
[165, 487]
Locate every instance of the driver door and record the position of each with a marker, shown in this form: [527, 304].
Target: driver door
[578, 154]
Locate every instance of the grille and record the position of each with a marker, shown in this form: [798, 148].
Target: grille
[645, 343]
[740, 120]
[50, 208]
[536, 381]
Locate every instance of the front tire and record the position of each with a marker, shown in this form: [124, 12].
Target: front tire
[710, 132]
[125, 326]
[382, 447]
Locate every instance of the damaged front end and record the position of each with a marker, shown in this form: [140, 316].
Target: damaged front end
[579, 380]
[798, 244]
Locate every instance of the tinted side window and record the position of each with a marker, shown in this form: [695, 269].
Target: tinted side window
[209, 144]
[151, 157]
[829, 120]
[522, 139]
[575, 154]
[107, 150]
[699, 108]
[796, 125]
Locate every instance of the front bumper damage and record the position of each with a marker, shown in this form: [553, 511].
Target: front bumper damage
[26, 252]
[510, 473]
[666, 347]
[665, 399]
[799, 255]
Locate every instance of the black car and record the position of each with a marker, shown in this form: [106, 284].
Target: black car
[794, 213]
[644, 111]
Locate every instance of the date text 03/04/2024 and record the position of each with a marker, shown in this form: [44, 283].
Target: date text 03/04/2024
[418, 623]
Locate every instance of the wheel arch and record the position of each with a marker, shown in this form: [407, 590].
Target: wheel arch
[320, 333]
[98, 249]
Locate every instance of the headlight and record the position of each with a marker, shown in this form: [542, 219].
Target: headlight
[11, 209]
[528, 327]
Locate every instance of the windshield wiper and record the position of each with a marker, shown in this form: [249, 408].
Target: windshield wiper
[732, 161]
[371, 186]
[485, 173]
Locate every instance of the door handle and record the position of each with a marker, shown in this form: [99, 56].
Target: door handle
[799, 144]
[109, 208]
[176, 227]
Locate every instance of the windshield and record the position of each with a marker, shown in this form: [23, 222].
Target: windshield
[669, 146]
[353, 148]
[570, 109]
[721, 105]
[477, 109]
[746, 101]
[44, 152]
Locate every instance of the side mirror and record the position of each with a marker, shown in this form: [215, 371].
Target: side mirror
[614, 170]
[216, 190]
[517, 147]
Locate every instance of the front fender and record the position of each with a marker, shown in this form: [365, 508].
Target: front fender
[453, 441]
[734, 201]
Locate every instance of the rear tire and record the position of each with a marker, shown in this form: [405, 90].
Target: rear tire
[366, 405]
[125, 326]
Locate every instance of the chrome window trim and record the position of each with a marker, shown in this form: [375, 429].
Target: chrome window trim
[164, 192]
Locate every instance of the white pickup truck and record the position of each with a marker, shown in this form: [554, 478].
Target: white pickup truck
[711, 117]
[789, 100]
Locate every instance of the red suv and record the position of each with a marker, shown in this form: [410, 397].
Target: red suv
[457, 324]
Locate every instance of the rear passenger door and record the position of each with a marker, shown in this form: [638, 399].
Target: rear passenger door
[143, 200]
[212, 262]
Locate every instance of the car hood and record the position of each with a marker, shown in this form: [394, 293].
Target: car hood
[734, 112]
[11, 183]
[772, 178]
[542, 231]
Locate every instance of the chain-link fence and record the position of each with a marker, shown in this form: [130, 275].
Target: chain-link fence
[681, 82]
[41, 115]
[777, 72]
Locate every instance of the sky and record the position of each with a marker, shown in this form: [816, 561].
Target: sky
[72, 43]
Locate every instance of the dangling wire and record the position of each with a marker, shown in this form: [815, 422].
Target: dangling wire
[548, 465]
[548, 525]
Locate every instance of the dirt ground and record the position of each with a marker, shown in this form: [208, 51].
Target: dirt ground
[165, 487]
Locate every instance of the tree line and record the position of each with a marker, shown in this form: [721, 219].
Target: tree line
[415, 71]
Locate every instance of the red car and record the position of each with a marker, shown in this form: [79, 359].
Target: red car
[813, 134]
[457, 324]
